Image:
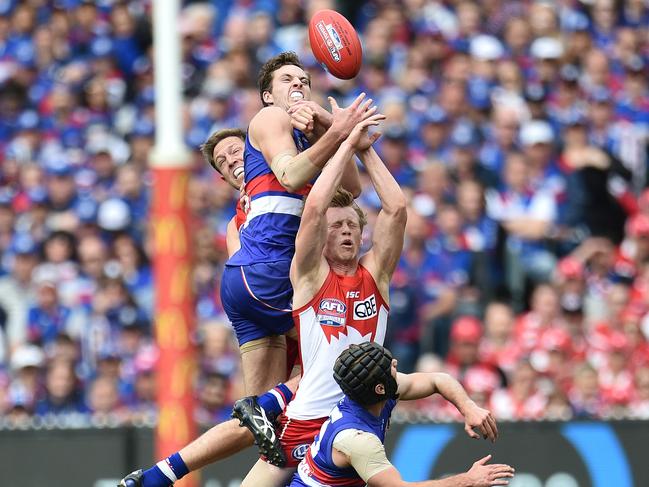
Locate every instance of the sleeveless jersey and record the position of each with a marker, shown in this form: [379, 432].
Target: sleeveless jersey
[240, 216]
[268, 233]
[318, 469]
[346, 310]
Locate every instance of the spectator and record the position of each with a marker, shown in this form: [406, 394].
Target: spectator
[584, 396]
[522, 400]
[103, 398]
[212, 397]
[464, 358]
[62, 392]
[447, 267]
[26, 387]
[17, 291]
[527, 215]
[48, 317]
[498, 347]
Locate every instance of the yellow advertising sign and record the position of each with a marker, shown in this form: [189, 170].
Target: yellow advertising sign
[169, 235]
[171, 329]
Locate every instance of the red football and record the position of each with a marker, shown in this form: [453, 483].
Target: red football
[335, 44]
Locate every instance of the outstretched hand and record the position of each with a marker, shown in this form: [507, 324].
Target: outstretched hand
[345, 119]
[359, 137]
[483, 475]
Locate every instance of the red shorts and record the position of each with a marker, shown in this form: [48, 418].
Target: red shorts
[296, 435]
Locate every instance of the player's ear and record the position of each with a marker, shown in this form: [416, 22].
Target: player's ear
[268, 97]
[380, 389]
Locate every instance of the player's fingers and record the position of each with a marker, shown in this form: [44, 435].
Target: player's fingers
[375, 136]
[494, 426]
[357, 101]
[369, 112]
[333, 103]
[483, 460]
[489, 431]
[373, 116]
[470, 432]
[298, 125]
[500, 482]
[377, 117]
[366, 104]
[302, 117]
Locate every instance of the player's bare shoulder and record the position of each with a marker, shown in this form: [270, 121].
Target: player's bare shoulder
[268, 121]
[269, 115]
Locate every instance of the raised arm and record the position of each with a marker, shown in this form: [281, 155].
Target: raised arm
[311, 238]
[389, 229]
[314, 121]
[271, 132]
[420, 385]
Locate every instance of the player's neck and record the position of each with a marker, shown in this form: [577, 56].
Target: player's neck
[375, 409]
[344, 268]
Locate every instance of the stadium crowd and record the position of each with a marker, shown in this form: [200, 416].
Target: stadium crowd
[519, 130]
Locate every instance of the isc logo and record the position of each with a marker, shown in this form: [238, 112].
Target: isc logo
[365, 309]
[333, 306]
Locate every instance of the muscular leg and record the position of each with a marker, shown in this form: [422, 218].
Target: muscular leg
[219, 442]
[263, 474]
[264, 364]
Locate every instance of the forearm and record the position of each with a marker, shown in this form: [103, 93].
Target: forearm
[295, 171]
[351, 179]
[326, 185]
[392, 478]
[392, 198]
[451, 390]
[219, 442]
[459, 480]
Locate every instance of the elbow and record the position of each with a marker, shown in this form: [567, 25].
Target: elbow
[354, 188]
[400, 212]
[290, 185]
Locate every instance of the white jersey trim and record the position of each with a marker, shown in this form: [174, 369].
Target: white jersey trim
[285, 205]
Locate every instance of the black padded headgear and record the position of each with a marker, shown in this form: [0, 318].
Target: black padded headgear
[360, 368]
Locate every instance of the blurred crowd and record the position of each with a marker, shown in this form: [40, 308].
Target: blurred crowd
[518, 129]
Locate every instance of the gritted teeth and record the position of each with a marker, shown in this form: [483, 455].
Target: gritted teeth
[238, 171]
[296, 95]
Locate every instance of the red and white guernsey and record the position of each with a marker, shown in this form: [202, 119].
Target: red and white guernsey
[347, 310]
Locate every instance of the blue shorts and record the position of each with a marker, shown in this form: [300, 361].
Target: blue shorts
[257, 299]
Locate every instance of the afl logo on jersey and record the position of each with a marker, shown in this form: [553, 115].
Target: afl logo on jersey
[332, 312]
[300, 451]
[333, 306]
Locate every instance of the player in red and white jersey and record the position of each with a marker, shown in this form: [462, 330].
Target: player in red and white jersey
[339, 297]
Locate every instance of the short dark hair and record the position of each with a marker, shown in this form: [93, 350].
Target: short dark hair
[344, 199]
[265, 79]
[207, 149]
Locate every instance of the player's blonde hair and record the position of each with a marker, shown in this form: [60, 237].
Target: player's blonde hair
[344, 199]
